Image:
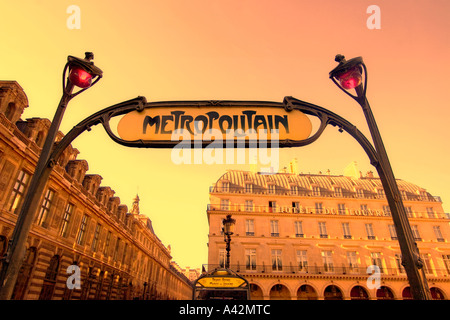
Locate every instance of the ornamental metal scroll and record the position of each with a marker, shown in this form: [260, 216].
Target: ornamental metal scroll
[221, 116]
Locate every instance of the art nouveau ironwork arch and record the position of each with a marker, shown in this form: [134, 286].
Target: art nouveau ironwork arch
[325, 116]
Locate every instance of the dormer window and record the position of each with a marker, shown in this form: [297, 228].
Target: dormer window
[294, 189]
[272, 188]
[10, 110]
[316, 191]
[338, 192]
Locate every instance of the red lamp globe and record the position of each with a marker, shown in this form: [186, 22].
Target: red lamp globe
[351, 78]
[80, 77]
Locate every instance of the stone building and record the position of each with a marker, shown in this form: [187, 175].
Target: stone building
[81, 227]
[314, 236]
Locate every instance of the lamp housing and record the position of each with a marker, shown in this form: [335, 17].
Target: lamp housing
[228, 225]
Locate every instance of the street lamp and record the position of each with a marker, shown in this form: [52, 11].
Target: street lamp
[352, 75]
[228, 229]
[83, 74]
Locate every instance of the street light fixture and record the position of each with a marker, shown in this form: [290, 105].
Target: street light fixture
[348, 75]
[83, 74]
[228, 230]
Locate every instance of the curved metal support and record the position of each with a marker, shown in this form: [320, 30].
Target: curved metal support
[327, 117]
[103, 117]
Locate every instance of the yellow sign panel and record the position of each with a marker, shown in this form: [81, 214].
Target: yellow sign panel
[221, 282]
[251, 123]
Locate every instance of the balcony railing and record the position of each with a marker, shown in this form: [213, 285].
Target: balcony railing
[303, 192]
[322, 211]
[317, 270]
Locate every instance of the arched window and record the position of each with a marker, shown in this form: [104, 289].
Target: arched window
[306, 292]
[359, 293]
[332, 292]
[50, 279]
[437, 293]
[385, 293]
[280, 292]
[406, 294]
[256, 292]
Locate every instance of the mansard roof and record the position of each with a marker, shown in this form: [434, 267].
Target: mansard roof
[238, 180]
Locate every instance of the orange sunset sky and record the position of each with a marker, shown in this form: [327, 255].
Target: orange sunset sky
[237, 50]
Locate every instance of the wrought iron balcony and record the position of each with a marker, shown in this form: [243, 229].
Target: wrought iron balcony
[329, 269]
[236, 207]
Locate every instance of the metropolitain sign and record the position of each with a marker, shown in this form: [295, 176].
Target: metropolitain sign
[238, 123]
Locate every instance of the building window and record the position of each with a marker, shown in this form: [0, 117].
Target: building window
[225, 204]
[298, 229]
[377, 260]
[116, 249]
[249, 205]
[338, 192]
[82, 232]
[364, 208]
[398, 261]
[248, 188]
[302, 260]
[316, 191]
[124, 255]
[107, 243]
[272, 206]
[323, 230]
[404, 195]
[380, 193]
[295, 207]
[18, 191]
[360, 193]
[294, 190]
[346, 230]
[387, 211]
[446, 259]
[430, 212]
[423, 195]
[42, 218]
[64, 232]
[341, 208]
[369, 231]
[409, 212]
[416, 234]
[276, 260]
[352, 261]
[249, 227]
[392, 232]
[96, 236]
[327, 259]
[250, 259]
[272, 188]
[426, 263]
[274, 228]
[438, 234]
[10, 111]
[319, 207]
[226, 187]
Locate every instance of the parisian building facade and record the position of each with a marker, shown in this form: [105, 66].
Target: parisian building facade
[323, 236]
[81, 230]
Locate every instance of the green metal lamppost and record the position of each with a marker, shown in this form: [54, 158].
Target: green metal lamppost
[82, 73]
[348, 75]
